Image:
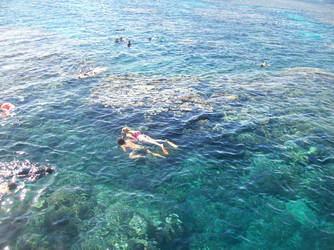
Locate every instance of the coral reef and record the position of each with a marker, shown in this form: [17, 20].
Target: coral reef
[155, 95]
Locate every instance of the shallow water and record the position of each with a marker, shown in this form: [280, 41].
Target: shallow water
[255, 163]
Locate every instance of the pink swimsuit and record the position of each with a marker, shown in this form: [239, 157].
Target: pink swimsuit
[136, 134]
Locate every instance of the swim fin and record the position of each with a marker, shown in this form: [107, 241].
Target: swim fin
[164, 150]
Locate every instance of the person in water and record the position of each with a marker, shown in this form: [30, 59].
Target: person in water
[137, 135]
[264, 64]
[7, 108]
[91, 72]
[125, 40]
[34, 173]
[7, 188]
[135, 149]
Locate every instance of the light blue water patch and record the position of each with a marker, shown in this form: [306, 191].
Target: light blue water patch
[198, 4]
[242, 6]
[301, 19]
[296, 17]
[310, 35]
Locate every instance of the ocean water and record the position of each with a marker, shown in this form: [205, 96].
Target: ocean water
[255, 164]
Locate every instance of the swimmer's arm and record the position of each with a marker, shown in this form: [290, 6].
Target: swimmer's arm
[124, 149]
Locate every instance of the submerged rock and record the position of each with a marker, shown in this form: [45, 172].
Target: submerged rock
[170, 230]
[139, 225]
[61, 216]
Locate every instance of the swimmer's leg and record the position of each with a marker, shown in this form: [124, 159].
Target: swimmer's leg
[154, 154]
[172, 144]
[132, 156]
[169, 142]
[147, 139]
[158, 140]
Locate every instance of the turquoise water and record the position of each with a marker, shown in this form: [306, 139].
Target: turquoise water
[255, 163]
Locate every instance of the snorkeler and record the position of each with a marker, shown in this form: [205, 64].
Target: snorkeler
[91, 72]
[34, 173]
[264, 64]
[125, 40]
[135, 149]
[7, 188]
[7, 108]
[136, 135]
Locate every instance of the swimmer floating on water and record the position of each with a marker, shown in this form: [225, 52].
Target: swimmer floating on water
[135, 149]
[7, 108]
[136, 135]
[123, 39]
[34, 173]
[7, 188]
[92, 72]
[264, 64]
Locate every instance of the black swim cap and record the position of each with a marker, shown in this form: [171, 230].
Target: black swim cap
[12, 186]
[120, 141]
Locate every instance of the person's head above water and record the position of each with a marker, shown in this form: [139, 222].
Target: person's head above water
[125, 130]
[49, 170]
[12, 186]
[120, 141]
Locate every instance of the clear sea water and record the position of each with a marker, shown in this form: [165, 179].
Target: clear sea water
[255, 163]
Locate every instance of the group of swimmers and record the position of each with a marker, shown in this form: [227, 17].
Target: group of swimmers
[31, 174]
[129, 139]
[123, 39]
[128, 44]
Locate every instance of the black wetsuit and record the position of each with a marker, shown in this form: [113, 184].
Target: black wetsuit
[31, 174]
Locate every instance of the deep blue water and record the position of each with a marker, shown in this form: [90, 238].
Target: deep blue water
[255, 163]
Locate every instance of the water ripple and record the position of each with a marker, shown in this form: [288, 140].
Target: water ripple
[254, 166]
